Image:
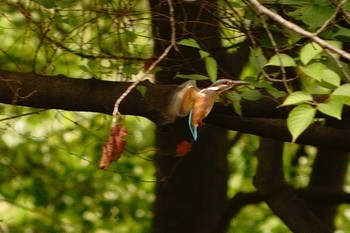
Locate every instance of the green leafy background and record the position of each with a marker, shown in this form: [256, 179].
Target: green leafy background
[50, 181]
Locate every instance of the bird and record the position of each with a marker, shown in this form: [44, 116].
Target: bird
[196, 103]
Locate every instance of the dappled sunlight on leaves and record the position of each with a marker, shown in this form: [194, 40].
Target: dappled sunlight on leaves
[49, 174]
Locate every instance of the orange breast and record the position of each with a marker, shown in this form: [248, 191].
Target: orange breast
[201, 108]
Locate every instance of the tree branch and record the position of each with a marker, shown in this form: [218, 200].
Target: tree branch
[261, 117]
[295, 28]
[93, 95]
[242, 199]
[278, 195]
[317, 134]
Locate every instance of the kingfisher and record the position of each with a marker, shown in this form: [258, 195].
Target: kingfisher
[189, 100]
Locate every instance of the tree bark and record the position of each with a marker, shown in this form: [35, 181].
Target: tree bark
[191, 192]
[72, 94]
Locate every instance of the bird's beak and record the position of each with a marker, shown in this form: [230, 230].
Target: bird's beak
[239, 82]
[235, 83]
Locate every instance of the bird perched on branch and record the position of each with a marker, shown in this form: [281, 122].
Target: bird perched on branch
[189, 100]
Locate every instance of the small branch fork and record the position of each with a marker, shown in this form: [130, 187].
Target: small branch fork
[312, 36]
[154, 64]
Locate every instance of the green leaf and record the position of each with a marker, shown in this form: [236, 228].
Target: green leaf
[309, 52]
[297, 97]
[212, 68]
[281, 60]
[84, 68]
[331, 79]
[47, 3]
[263, 84]
[342, 32]
[314, 70]
[332, 108]
[299, 119]
[267, 85]
[203, 54]
[343, 90]
[191, 76]
[130, 35]
[236, 101]
[315, 15]
[258, 58]
[251, 79]
[276, 93]
[251, 95]
[141, 89]
[189, 42]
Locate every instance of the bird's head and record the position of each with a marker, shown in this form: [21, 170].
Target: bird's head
[222, 85]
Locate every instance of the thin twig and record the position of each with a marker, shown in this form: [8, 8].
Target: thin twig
[275, 47]
[279, 19]
[21, 115]
[330, 19]
[339, 64]
[154, 64]
[255, 53]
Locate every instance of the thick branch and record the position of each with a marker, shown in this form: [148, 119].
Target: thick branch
[317, 134]
[59, 92]
[242, 199]
[278, 195]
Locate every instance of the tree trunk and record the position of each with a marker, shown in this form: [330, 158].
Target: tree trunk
[191, 192]
[328, 174]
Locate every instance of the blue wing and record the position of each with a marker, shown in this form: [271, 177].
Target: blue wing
[192, 128]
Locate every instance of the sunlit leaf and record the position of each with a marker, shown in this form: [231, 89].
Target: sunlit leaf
[314, 70]
[297, 97]
[331, 78]
[189, 42]
[281, 60]
[203, 54]
[332, 108]
[343, 90]
[299, 119]
[309, 52]
[212, 68]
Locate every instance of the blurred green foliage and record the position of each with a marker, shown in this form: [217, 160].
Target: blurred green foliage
[49, 176]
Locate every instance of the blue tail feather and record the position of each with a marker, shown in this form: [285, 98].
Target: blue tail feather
[191, 126]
